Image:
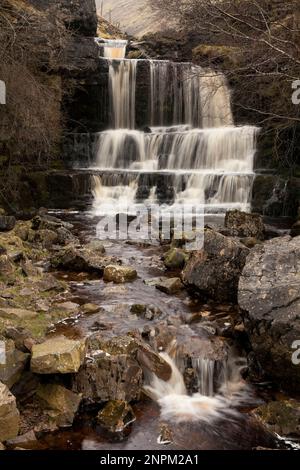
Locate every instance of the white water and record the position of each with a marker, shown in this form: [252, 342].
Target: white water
[192, 138]
[220, 394]
[113, 49]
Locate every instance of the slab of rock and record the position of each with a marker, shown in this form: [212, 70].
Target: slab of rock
[17, 313]
[119, 274]
[269, 295]
[58, 355]
[170, 286]
[215, 270]
[7, 223]
[9, 414]
[281, 417]
[14, 364]
[83, 259]
[153, 362]
[116, 416]
[244, 224]
[60, 403]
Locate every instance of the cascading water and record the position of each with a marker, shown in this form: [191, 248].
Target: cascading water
[192, 141]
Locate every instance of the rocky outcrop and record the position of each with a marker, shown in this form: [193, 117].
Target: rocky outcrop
[243, 224]
[215, 270]
[58, 355]
[269, 295]
[9, 414]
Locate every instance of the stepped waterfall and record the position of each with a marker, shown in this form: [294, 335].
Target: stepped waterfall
[190, 153]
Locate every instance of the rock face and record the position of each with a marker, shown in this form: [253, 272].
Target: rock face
[243, 224]
[269, 294]
[61, 404]
[9, 414]
[214, 271]
[58, 355]
[116, 416]
[119, 274]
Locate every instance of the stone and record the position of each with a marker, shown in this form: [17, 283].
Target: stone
[17, 313]
[269, 296]
[170, 286]
[83, 259]
[153, 362]
[90, 308]
[14, 364]
[116, 416]
[58, 355]
[175, 258]
[244, 224]
[119, 274]
[96, 245]
[281, 417]
[9, 414]
[68, 306]
[2, 446]
[250, 242]
[47, 238]
[148, 312]
[7, 223]
[295, 230]
[7, 267]
[25, 440]
[214, 270]
[60, 403]
[152, 282]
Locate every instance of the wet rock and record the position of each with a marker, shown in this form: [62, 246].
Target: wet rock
[7, 223]
[2, 446]
[17, 313]
[116, 416]
[295, 231]
[26, 387]
[170, 286]
[165, 436]
[90, 308]
[80, 260]
[96, 245]
[149, 312]
[25, 440]
[153, 362]
[269, 295]
[243, 224]
[58, 355]
[215, 270]
[110, 372]
[250, 242]
[9, 414]
[280, 417]
[152, 282]
[60, 403]
[119, 274]
[14, 364]
[175, 258]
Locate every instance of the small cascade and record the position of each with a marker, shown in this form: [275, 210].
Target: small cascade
[221, 390]
[192, 153]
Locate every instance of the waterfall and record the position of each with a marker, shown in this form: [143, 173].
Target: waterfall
[112, 49]
[122, 83]
[191, 153]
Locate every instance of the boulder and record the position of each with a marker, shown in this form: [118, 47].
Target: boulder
[269, 295]
[25, 440]
[244, 224]
[170, 286]
[175, 258]
[17, 313]
[215, 270]
[9, 414]
[281, 417]
[60, 403]
[116, 416]
[58, 355]
[15, 361]
[90, 308]
[7, 223]
[148, 312]
[119, 274]
[83, 259]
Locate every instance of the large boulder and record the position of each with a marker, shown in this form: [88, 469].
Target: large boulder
[116, 416]
[243, 224]
[83, 259]
[58, 355]
[269, 295]
[215, 270]
[9, 414]
[60, 403]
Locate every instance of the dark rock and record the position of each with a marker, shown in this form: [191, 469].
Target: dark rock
[295, 231]
[23, 441]
[214, 271]
[80, 260]
[280, 417]
[269, 295]
[243, 224]
[7, 223]
[116, 416]
[149, 312]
